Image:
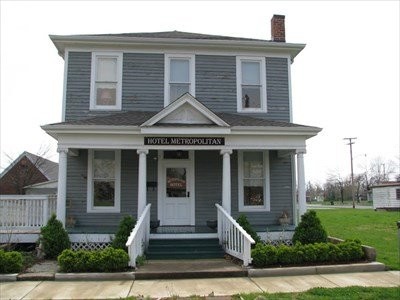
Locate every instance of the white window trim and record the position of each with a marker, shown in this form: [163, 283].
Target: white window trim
[263, 80]
[118, 103]
[117, 197]
[267, 200]
[192, 72]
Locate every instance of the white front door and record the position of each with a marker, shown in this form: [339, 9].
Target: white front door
[177, 192]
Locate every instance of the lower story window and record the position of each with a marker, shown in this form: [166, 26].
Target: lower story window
[253, 181]
[104, 169]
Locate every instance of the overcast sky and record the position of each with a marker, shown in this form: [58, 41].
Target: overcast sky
[346, 80]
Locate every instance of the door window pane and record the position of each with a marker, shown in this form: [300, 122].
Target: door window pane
[176, 182]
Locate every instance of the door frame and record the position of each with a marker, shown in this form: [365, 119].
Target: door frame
[162, 163]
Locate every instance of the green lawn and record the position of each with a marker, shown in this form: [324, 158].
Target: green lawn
[373, 228]
[347, 293]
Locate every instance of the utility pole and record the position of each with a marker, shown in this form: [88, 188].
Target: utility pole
[351, 161]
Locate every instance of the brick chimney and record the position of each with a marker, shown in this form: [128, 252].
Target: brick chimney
[278, 28]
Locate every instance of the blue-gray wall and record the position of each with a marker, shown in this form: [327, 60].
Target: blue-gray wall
[143, 84]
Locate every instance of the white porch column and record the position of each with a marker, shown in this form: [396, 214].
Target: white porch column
[226, 180]
[62, 184]
[142, 178]
[301, 183]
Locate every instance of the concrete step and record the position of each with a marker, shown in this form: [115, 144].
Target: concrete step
[189, 268]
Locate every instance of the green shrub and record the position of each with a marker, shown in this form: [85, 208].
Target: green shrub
[309, 253]
[267, 255]
[351, 250]
[106, 260]
[10, 262]
[54, 238]
[287, 255]
[310, 230]
[124, 230]
[242, 221]
[259, 255]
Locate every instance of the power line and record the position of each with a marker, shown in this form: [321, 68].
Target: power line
[351, 163]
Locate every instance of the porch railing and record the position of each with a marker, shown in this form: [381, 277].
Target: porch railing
[233, 238]
[26, 211]
[139, 237]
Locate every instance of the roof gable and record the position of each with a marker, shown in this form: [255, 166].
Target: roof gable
[47, 167]
[186, 110]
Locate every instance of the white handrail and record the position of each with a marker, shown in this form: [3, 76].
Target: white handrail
[26, 211]
[139, 238]
[233, 238]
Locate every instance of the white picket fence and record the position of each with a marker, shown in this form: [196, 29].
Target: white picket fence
[26, 211]
[139, 238]
[233, 238]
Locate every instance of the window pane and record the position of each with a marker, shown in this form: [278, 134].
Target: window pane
[253, 178]
[253, 165]
[104, 164]
[251, 97]
[104, 192]
[176, 182]
[250, 72]
[253, 195]
[106, 69]
[179, 70]
[106, 93]
[177, 90]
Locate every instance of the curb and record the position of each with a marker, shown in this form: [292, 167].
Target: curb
[267, 272]
[316, 270]
[8, 277]
[94, 276]
[190, 274]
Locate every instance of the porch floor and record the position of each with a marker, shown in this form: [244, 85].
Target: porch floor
[172, 229]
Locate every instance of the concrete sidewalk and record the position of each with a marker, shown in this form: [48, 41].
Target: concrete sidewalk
[189, 287]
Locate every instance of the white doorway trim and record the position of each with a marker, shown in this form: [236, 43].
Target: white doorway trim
[162, 163]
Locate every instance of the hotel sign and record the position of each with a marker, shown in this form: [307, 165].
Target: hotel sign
[184, 141]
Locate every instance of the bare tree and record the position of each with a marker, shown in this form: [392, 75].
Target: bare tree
[381, 170]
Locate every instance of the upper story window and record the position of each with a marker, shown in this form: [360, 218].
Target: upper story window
[251, 84]
[104, 181]
[106, 81]
[179, 76]
[253, 171]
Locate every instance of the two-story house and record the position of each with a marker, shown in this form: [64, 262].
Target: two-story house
[182, 121]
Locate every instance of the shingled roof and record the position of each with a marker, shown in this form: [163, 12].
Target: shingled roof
[171, 35]
[136, 118]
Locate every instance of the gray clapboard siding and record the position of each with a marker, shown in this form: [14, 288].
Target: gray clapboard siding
[77, 190]
[216, 82]
[143, 84]
[208, 185]
[216, 85]
[280, 191]
[78, 85]
[208, 188]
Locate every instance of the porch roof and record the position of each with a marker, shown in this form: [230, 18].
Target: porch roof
[137, 118]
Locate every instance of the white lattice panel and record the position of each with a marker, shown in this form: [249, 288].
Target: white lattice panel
[89, 246]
